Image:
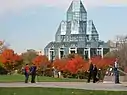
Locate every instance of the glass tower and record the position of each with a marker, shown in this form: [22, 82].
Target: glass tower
[76, 34]
[75, 26]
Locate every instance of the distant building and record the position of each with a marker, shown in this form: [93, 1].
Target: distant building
[113, 45]
[39, 52]
[76, 35]
[117, 45]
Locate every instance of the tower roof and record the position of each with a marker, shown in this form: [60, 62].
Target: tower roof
[76, 11]
[76, 6]
[92, 29]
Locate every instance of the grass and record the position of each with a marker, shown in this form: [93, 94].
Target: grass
[55, 91]
[20, 78]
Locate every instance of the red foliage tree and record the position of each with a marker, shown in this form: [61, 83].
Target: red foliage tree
[105, 62]
[96, 59]
[10, 60]
[41, 62]
[60, 64]
[85, 66]
[75, 64]
[102, 62]
[71, 66]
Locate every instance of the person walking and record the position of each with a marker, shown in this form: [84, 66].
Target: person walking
[116, 72]
[95, 79]
[90, 71]
[26, 73]
[33, 73]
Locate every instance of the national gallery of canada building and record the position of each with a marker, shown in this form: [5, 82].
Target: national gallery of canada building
[76, 34]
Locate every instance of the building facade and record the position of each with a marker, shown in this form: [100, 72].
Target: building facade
[76, 35]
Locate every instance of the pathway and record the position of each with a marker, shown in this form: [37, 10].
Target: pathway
[74, 85]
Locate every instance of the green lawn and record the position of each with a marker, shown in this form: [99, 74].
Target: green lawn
[54, 91]
[20, 78]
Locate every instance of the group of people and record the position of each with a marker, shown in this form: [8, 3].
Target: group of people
[93, 71]
[30, 70]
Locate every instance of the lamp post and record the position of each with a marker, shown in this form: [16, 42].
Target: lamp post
[51, 56]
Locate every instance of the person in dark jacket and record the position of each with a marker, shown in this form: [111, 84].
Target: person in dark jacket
[33, 73]
[95, 74]
[90, 71]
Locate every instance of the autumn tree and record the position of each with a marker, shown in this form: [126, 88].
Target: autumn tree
[85, 66]
[96, 59]
[75, 64]
[60, 64]
[103, 62]
[10, 60]
[42, 62]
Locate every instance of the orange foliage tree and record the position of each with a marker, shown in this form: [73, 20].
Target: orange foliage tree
[10, 60]
[102, 62]
[77, 64]
[73, 65]
[85, 66]
[60, 64]
[96, 60]
[41, 61]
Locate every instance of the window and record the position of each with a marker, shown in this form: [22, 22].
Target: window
[84, 16]
[69, 16]
[76, 6]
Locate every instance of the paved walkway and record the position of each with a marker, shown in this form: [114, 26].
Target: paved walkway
[74, 85]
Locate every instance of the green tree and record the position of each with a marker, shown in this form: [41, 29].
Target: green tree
[28, 56]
